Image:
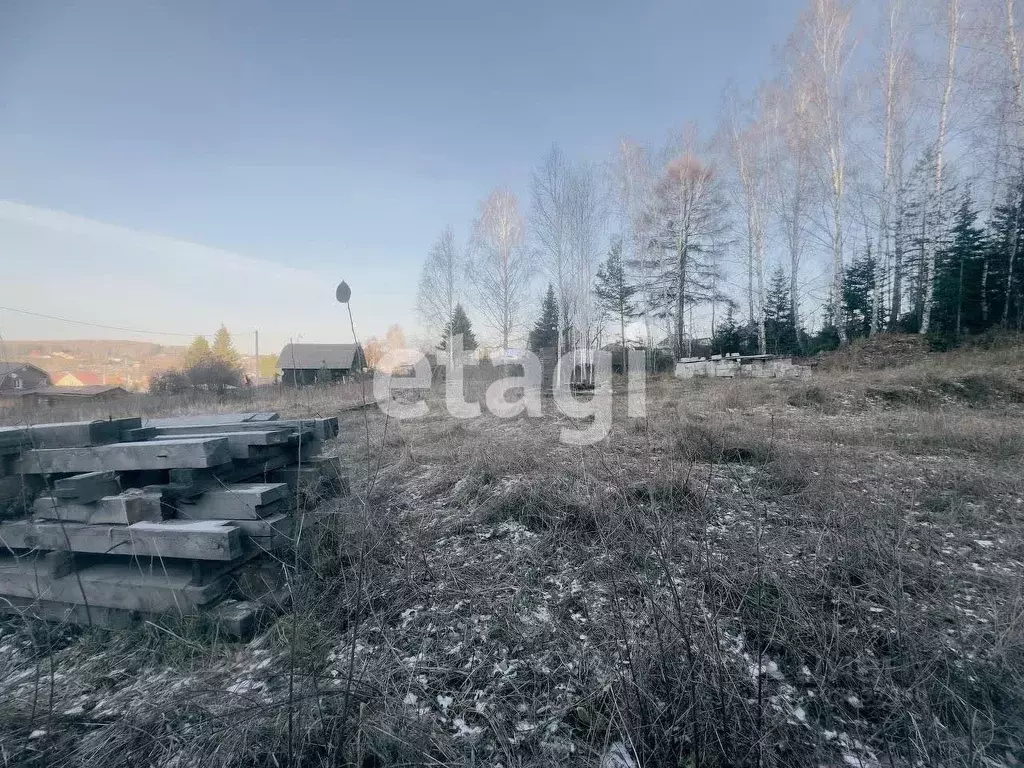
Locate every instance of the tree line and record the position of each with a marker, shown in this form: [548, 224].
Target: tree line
[873, 182]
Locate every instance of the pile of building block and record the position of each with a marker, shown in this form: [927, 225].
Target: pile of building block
[107, 522]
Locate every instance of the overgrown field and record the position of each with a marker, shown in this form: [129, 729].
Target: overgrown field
[826, 571]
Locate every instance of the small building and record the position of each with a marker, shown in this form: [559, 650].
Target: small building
[46, 396]
[737, 366]
[16, 378]
[78, 379]
[305, 364]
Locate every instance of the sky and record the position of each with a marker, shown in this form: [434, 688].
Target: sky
[171, 166]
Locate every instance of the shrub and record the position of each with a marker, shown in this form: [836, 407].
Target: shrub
[170, 383]
[212, 373]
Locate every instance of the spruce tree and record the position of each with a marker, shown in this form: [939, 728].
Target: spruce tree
[1005, 254]
[615, 295]
[780, 333]
[959, 268]
[223, 350]
[545, 331]
[198, 352]
[728, 336]
[858, 294]
[459, 324]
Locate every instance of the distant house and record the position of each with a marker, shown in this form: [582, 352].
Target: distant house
[46, 396]
[78, 379]
[318, 363]
[16, 378]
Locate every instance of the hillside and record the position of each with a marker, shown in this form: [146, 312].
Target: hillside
[129, 363]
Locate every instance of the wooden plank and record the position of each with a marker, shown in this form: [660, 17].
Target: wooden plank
[211, 418]
[237, 501]
[316, 428]
[132, 506]
[139, 434]
[186, 511]
[69, 613]
[162, 588]
[126, 424]
[265, 416]
[240, 442]
[322, 428]
[73, 434]
[88, 487]
[155, 454]
[206, 540]
[238, 618]
[304, 477]
[13, 434]
[189, 483]
[14, 440]
[269, 534]
[80, 434]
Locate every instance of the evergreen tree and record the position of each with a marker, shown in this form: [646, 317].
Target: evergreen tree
[1005, 256]
[780, 333]
[223, 349]
[959, 269]
[859, 294]
[920, 227]
[729, 336]
[459, 323]
[198, 352]
[615, 295]
[545, 331]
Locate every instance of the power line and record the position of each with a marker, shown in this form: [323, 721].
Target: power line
[101, 325]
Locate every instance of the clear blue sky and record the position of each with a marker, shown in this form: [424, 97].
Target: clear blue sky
[334, 139]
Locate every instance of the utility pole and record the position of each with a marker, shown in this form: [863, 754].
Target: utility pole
[256, 335]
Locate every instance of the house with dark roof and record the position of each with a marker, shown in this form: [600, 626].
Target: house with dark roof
[303, 364]
[16, 378]
[47, 396]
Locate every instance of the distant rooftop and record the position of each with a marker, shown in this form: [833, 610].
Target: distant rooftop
[316, 356]
[9, 368]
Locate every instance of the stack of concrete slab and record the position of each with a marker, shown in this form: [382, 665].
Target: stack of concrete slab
[123, 518]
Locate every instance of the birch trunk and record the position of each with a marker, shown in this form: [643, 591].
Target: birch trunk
[1013, 55]
[954, 29]
[881, 261]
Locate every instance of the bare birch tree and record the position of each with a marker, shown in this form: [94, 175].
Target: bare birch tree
[753, 151]
[633, 191]
[892, 159]
[550, 227]
[792, 189]
[1015, 135]
[585, 220]
[940, 146]
[439, 283]
[824, 47]
[694, 225]
[500, 269]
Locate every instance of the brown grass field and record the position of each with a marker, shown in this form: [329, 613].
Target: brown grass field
[818, 572]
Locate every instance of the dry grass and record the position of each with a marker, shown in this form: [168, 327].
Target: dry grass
[291, 402]
[762, 573]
